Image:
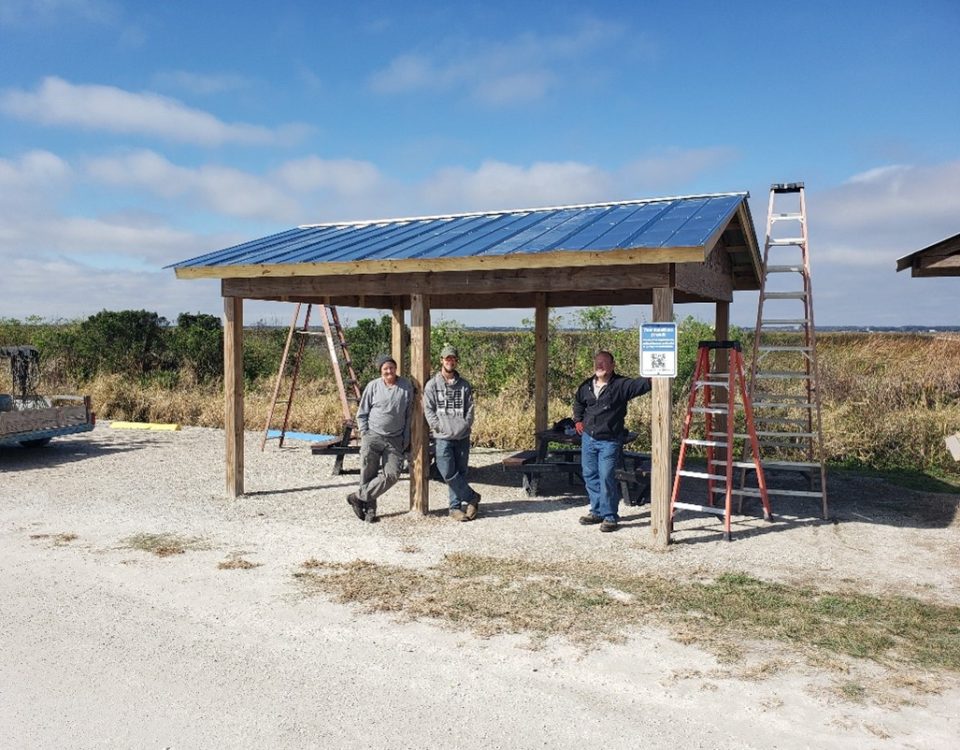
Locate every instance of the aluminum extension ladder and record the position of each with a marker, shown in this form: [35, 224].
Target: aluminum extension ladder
[719, 438]
[348, 386]
[783, 371]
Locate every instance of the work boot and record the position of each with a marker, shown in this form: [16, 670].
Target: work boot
[606, 526]
[370, 513]
[458, 515]
[472, 507]
[359, 507]
[590, 519]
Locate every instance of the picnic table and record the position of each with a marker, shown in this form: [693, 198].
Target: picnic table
[558, 452]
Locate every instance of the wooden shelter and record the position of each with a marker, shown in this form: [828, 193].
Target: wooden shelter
[659, 251]
[939, 259]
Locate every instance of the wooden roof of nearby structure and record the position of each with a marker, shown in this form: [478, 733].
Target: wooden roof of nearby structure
[939, 259]
[704, 247]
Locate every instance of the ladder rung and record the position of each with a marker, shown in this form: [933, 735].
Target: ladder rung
[736, 464]
[702, 475]
[784, 295]
[706, 443]
[710, 410]
[783, 375]
[783, 241]
[784, 269]
[700, 508]
[310, 333]
[718, 383]
[754, 492]
[786, 217]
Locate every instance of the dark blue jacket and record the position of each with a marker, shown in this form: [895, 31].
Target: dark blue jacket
[603, 418]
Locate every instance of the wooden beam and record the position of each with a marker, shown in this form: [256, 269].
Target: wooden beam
[555, 259]
[661, 454]
[233, 392]
[436, 282]
[711, 280]
[540, 387]
[419, 374]
[519, 300]
[397, 344]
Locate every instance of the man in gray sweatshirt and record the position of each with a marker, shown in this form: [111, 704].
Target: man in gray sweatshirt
[448, 407]
[383, 419]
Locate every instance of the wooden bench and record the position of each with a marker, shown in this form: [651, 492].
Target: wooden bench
[633, 474]
[344, 446]
[519, 459]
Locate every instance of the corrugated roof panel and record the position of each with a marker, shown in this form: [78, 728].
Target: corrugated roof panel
[674, 222]
[227, 255]
[506, 227]
[661, 232]
[704, 222]
[438, 245]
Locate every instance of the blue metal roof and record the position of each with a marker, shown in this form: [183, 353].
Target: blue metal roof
[681, 222]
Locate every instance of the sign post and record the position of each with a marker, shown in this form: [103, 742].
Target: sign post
[658, 350]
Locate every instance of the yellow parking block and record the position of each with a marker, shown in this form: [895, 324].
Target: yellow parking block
[143, 426]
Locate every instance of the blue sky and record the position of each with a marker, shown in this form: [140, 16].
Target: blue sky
[134, 135]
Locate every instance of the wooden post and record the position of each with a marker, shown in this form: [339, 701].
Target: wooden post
[721, 332]
[233, 392]
[540, 387]
[397, 344]
[419, 374]
[661, 456]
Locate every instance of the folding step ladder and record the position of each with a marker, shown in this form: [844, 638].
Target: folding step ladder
[783, 372]
[705, 382]
[348, 387]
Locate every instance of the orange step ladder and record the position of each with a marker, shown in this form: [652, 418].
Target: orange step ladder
[704, 383]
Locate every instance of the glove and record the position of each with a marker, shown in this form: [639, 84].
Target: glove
[579, 428]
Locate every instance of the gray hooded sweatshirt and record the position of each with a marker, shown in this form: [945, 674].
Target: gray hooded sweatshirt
[448, 407]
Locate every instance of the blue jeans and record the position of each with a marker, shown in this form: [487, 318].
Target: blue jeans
[600, 459]
[452, 459]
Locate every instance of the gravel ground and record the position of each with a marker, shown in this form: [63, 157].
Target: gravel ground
[104, 645]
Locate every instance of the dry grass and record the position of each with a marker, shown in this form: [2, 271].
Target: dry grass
[889, 400]
[492, 595]
[62, 538]
[164, 545]
[237, 563]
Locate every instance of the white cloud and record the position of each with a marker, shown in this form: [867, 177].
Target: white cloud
[202, 83]
[897, 192]
[225, 190]
[111, 109]
[496, 185]
[347, 177]
[884, 213]
[673, 167]
[525, 68]
[33, 169]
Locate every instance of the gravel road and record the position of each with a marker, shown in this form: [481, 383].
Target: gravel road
[104, 645]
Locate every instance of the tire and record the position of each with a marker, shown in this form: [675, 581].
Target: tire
[38, 443]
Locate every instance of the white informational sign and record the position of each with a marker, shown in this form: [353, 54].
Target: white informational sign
[658, 350]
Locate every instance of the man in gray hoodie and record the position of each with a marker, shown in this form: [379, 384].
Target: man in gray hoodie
[383, 419]
[448, 407]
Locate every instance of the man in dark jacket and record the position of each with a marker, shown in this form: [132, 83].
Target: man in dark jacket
[599, 411]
